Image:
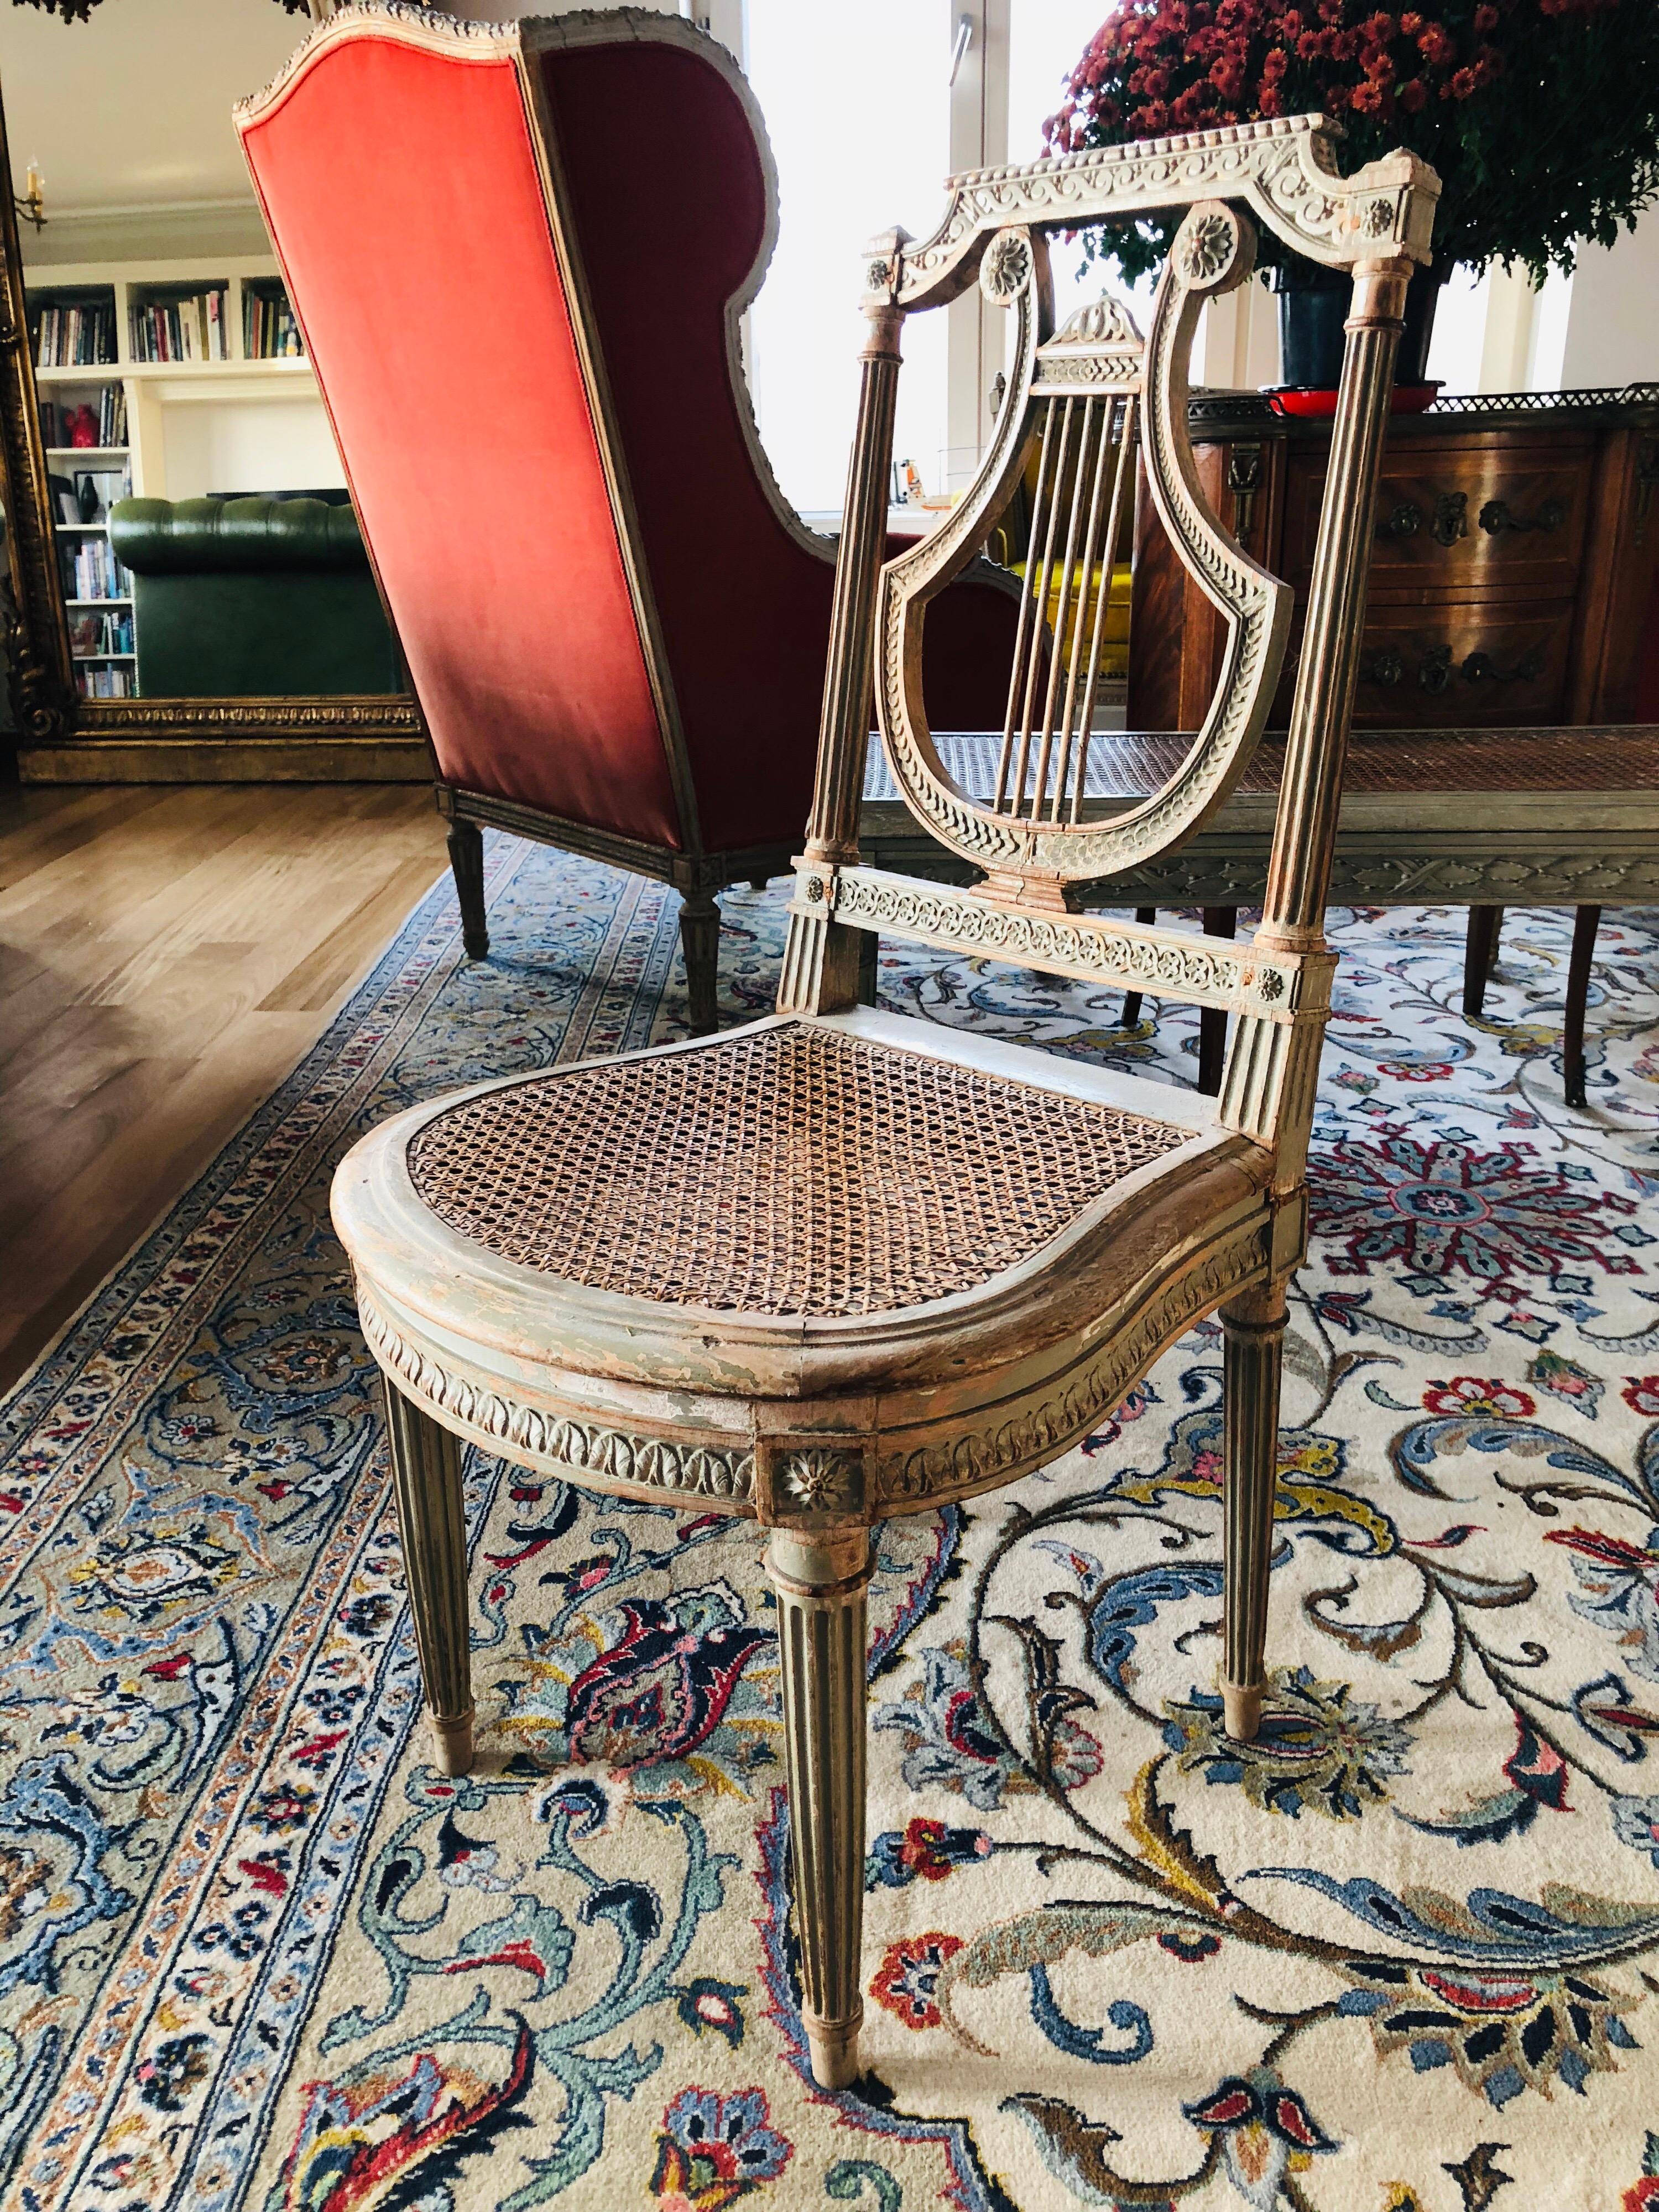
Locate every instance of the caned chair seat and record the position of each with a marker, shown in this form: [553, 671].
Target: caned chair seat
[858, 1226]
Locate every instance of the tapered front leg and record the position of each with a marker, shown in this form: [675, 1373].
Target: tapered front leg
[821, 1581]
[426, 1469]
[465, 843]
[1253, 1335]
[700, 941]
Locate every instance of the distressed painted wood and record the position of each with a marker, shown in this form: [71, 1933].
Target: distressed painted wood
[492, 1315]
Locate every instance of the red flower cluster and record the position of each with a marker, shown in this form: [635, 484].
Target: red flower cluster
[1156, 66]
[1484, 89]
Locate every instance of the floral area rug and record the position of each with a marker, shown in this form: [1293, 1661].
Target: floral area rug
[1399, 1955]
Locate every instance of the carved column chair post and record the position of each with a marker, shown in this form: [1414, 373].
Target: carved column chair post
[841, 1264]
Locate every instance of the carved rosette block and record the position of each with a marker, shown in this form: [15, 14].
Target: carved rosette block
[426, 1473]
[820, 1580]
[814, 1483]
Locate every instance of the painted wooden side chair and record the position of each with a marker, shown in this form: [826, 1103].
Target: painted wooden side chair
[839, 1265]
[523, 315]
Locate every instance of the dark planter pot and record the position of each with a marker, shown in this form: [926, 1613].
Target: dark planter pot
[1313, 306]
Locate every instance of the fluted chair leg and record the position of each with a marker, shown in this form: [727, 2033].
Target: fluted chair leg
[1253, 1328]
[700, 941]
[820, 1583]
[426, 1470]
[465, 843]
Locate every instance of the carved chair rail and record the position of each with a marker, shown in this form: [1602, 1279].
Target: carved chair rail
[1205, 971]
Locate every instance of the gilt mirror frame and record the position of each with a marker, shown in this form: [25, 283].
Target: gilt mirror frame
[60, 736]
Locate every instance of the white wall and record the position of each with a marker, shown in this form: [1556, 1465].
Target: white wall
[253, 445]
[1612, 333]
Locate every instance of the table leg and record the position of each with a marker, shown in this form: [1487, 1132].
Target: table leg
[1218, 921]
[1146, 916]
[1586, 922]
[1480, 955]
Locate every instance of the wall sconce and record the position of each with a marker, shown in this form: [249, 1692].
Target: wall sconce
[33, 205]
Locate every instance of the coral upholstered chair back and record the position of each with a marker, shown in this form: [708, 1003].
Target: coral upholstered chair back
[519, 253]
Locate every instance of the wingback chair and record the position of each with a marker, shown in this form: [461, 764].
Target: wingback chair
[519, 254]
[841, 1265]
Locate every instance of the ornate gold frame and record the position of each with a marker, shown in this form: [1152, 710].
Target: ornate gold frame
[64, 738]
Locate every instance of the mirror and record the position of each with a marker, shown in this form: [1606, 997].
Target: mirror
[190, 598]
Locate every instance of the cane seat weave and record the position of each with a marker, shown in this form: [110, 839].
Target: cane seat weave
[789, 1169]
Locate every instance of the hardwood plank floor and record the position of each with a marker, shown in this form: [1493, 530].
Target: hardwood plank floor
[166, 955]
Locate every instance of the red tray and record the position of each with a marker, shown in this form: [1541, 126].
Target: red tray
[1301, 399]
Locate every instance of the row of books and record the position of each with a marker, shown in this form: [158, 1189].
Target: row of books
[104, 423]
[75, 337]
[94, 637]
[91, 571]
[94, 682]
[190, 329]
[269, 330]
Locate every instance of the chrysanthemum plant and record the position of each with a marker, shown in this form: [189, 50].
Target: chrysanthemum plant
[1541, 116]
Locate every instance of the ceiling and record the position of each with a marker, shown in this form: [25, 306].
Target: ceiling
[131, 109]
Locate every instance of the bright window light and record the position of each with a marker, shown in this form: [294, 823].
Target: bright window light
[857, 106]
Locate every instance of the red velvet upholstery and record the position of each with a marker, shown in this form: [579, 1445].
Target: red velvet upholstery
[401, 190]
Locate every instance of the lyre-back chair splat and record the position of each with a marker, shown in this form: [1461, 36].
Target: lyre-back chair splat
[839, 1265]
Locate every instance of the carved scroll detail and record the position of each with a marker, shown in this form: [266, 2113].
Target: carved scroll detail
[1285, 169]
[585, 1446]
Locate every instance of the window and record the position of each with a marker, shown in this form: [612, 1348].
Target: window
[856, 103]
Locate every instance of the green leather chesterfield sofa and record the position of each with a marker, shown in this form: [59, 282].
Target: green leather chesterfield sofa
[241, 597]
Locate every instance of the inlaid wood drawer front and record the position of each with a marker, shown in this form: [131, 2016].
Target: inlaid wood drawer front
[1460, 667]
[1463, 516]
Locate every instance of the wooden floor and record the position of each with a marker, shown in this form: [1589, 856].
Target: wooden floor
[166, 955]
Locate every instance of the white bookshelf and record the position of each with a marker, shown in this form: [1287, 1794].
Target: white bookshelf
[152, 388]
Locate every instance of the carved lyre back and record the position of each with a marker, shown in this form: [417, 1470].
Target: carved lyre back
[1082, 403]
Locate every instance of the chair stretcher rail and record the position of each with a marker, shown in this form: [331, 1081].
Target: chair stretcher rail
[1202, 971]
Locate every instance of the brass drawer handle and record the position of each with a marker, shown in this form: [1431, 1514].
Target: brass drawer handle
[1481, 668]
[1496, 516]
[1450, 520]
[1435, 670]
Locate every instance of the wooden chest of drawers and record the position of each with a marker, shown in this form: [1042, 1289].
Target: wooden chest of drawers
[1512, 577]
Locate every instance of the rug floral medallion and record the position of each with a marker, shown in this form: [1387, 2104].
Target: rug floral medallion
[1400, 1954]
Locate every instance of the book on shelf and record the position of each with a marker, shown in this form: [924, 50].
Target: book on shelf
[94, 682]
[93, 636]
[91, 571]
[79, 337]
[270, 332]
[65, 424]
[189, 328]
